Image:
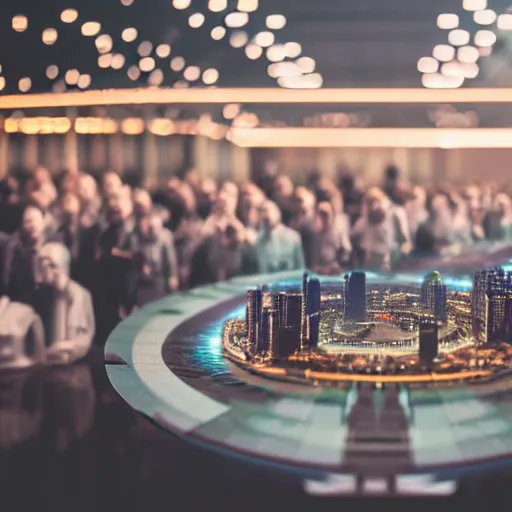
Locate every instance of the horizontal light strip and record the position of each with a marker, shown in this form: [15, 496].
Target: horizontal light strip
[372, 137]
[248, 95]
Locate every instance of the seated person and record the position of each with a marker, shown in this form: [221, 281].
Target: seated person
[65, 308]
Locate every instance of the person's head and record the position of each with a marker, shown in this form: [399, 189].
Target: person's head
[225, 202]
[270, 215]
[87, 189]
[70, 205]
[325, 215]
[503, 204]
[69, 182]
[33, 222]
[209, 188]
[188, 198]
[376, 205]
[151, 224]
[142, 202]
[193, 178]
[119, 208]
[439, 205]
[419, 196]
[41, 175]
[306, 200]
[252, 196]
[231, 190]
[111, 183]
[54, 261]
[283, 186]
[392, 173]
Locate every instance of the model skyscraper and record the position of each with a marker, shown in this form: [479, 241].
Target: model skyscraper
[433, 296]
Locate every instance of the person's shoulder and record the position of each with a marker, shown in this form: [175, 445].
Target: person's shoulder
[290, 233]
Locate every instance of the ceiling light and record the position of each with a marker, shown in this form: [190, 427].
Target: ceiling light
[147, 64]
[196, 20]
[231, 111]
[133, 73]
[91, 28]
[104, 43]
[156, 78]
[505, 22]
[129, 34]
[428, 65]
[217, 5]
[72, 76]
[181, 4]
[458, 37]
[485, 17]
[306, 64]
[25, 84]
[264, 39]
[84, 81]
[313, 81]
[210, 76]
[177, 64]
[468, 54]
[275, 21]
[443, 52]
[69, 15]
[293, 49]
[20, 23]
[127, 3]
[104, 61]
[192, 73]
[145, 49]
[474, 5]
[253, 51]
[248, 5]
[485, 38]
[452, 68]
[447, 21]
[439, 81]
[276, 53]
[50, 36]
[238, 39]
[52, 72]
[218, 33]
[236, 19]
[2, 83]
[163, 50]
[281, 69]
[118, 61]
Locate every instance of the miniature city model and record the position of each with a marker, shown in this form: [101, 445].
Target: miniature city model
[350, 331]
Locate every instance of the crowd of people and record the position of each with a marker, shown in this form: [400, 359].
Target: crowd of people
[130, 245]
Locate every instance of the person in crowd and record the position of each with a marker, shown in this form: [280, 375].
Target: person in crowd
[156, 264]
[223, 212]
[114, 264]
[206, 197]
[382, 236]
[188, 234]
[10, 205]
[278, 247]
[64, 306]
[90, 201]
[142, 203]
[251, 199]
[111, 183]
[416, 210]
[330, 242]
[20, 272]
[304, 222]
[498, 220]
[283, 196]
[353, 196]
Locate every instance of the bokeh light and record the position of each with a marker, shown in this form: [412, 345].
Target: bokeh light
[69, 15]
[485, 38]
[163, 51]
[177, 64]
[264, 39]
[428, 65]
[458, 37]
[247, 5]
[196, 20]
[253, 51]
[147, 64]
[236, 19]
[25, 84]
[217, 5]
[306, 64]
[181, 4]
[50, 36]
[293, 49]
[447, 21]
[118, 61]
[275, 22]
[276, 53]
[238, 38]
[218, 33]
[19, 23]
[210, 76]
[474, 5]
[443, 52]
[145, 48]
[71, 77]
[104, 43]
[192, 73]
[52, 72]
[485, 17]
[91, 28]
[129, 34]
[133, 73]
[156, 78]
[84, 81]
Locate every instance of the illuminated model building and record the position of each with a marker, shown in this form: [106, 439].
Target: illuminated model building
[428, 336]
[355, 307]
[407, 333]
[433, 296]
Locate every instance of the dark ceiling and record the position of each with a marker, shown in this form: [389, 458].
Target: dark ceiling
[368, 43]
